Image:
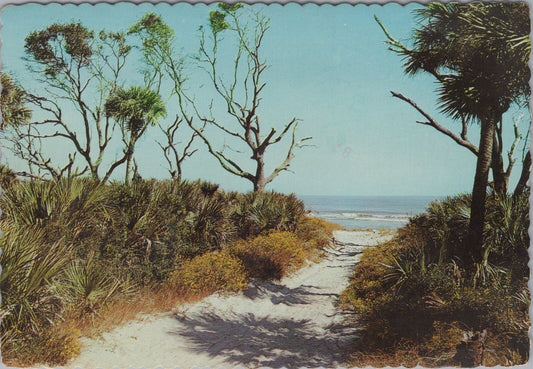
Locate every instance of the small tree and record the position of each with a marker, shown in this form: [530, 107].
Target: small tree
[162, 63]
[135, 109]
[69, 62]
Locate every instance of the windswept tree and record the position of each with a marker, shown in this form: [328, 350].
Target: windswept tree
[478, 53]
[75, 70]
[135, 109]
[238, 91]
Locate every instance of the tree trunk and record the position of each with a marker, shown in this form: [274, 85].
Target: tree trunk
[524, 177]
[94, 173]
[127, 179]
[498, 170]
[259, 179]
[479, 191]
[178, 174]
[129, 160]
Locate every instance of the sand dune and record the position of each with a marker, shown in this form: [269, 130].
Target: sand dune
[291, 323]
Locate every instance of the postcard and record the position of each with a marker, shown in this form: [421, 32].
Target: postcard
[264, 185]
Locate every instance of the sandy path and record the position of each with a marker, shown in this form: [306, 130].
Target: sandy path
[292, 323]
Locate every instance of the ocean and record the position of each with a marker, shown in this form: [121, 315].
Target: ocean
[389, 212]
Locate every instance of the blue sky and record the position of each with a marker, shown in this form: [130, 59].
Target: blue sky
[330, 68]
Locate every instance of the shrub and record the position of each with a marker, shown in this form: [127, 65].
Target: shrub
[208, 273]
[87, 287]
[8, 178]
[69, 208]
[53, 346]
[270, 256]
[259, 212]
[315, 233]
[210, 224]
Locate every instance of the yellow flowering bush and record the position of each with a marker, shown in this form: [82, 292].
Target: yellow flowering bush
[208, 273]
[316, 233]
[270, 256]
[53, 346]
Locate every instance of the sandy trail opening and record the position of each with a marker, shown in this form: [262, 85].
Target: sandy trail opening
[291, 323]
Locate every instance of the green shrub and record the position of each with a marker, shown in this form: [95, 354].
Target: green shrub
[270, 256]
[69, 209]
[208, 273]
[87, 287]
[8, 178]
[211, 226]
[416, 288]
[258, 212]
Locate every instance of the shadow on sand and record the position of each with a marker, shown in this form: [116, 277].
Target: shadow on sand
[248, 340]
[280, 294]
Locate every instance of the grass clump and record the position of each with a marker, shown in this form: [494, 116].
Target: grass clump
[209, 273]
[270, 256]
[416, 297]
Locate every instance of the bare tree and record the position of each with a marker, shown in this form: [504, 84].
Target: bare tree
[240, 94]
[171, 151]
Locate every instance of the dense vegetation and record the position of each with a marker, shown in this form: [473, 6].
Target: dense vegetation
[79, 255]
[415, 300]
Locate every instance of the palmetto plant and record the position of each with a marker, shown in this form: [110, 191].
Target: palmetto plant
[86, 286]
[405, 268]
[260, 211]
[30, 270]
[448, 225]
[70, 206]
[135, 109]
[210, 223]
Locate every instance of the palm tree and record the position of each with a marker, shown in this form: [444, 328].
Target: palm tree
[478, 52]
[135, 109]
[12, 103]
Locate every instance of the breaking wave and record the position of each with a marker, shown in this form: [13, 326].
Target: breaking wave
[401, 218]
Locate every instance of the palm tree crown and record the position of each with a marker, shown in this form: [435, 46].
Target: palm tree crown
[135, 108]
[479, 53]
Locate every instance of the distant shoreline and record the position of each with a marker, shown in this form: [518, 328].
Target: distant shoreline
[367, 212]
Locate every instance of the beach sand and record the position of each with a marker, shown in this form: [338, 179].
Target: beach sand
[290, 323]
